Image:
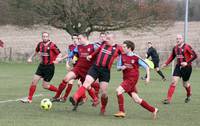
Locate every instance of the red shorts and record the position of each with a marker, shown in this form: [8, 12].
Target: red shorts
[80, 73]
[129, 85]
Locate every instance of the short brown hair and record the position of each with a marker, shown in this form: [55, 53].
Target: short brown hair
[129, 44]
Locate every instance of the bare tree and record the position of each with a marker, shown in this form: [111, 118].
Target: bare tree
[76, 16]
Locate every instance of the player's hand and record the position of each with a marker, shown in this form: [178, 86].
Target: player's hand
[123, 67]
[55, 61]
[89, 57]
[29, 60]
[184, 64]
[163, 66]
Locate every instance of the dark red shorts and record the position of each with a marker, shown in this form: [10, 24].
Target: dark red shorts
[80, 73]
[129, 85]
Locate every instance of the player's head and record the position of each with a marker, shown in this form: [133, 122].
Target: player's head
[102, 36]
[45, 36]
[128, 46]
[149, 44]
[110, 37]
[82, 38]
[179, 39]
[75, 38]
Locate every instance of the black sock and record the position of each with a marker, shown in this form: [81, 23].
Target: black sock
[161, 74]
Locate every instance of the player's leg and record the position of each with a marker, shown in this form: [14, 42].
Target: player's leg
[104, 96]
[71, 75]
[68, 90]
[186, 73]
[171, 89]
[120, 99]
[32, 89]
[89, 79]
[144, 104]
[81, 91]
[96, 87]
[176, 76]
[157, 69]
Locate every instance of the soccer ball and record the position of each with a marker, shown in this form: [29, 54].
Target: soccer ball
[46, 104]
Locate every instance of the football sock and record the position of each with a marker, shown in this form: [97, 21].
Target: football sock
[60, 89]
[92, 94]
[188, 90]
[104, 101]
[145, 105]
[171, 92]
[79, 93]
[52, 88]
[68, 90]
[31, 91]
[161, 74]
[96, 87]
[120, 99]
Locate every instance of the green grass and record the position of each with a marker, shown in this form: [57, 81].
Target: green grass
[15, 80]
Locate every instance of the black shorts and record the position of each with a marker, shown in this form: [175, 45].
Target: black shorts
[156, 63]
[102, 73]
[46, 71]
[183, 72]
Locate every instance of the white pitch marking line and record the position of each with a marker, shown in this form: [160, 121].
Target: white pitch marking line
[6, 101]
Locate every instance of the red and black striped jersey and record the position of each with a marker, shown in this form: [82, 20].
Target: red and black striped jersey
[185, 53]
[106, 54]
[48, 52]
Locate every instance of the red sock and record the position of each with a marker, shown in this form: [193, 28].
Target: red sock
[79, 93]
[60, 89]
[52, 88]
[104, 101]
[188, 89]
[68, 90]
[96, 88]
[170, 92]
[31, 91]
[92, 94]
[145, 105]
[121, 102]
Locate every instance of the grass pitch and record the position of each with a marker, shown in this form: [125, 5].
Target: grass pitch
[15, 80]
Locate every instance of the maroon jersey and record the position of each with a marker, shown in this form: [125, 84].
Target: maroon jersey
[183, 54]
[132, 70]
[83, 52]
[48, 51]
[71, 47]
[106, 54]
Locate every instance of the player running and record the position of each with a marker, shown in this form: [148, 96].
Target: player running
[80, 69]
[48, 52]
[129, 64]
[184, 55]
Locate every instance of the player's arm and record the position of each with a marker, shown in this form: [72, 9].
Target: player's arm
[148, 53]
[170, 59]
[192, 53]
[29, 60]
[37, 49]
[97, 49]
[143, 64]
[120, 66]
